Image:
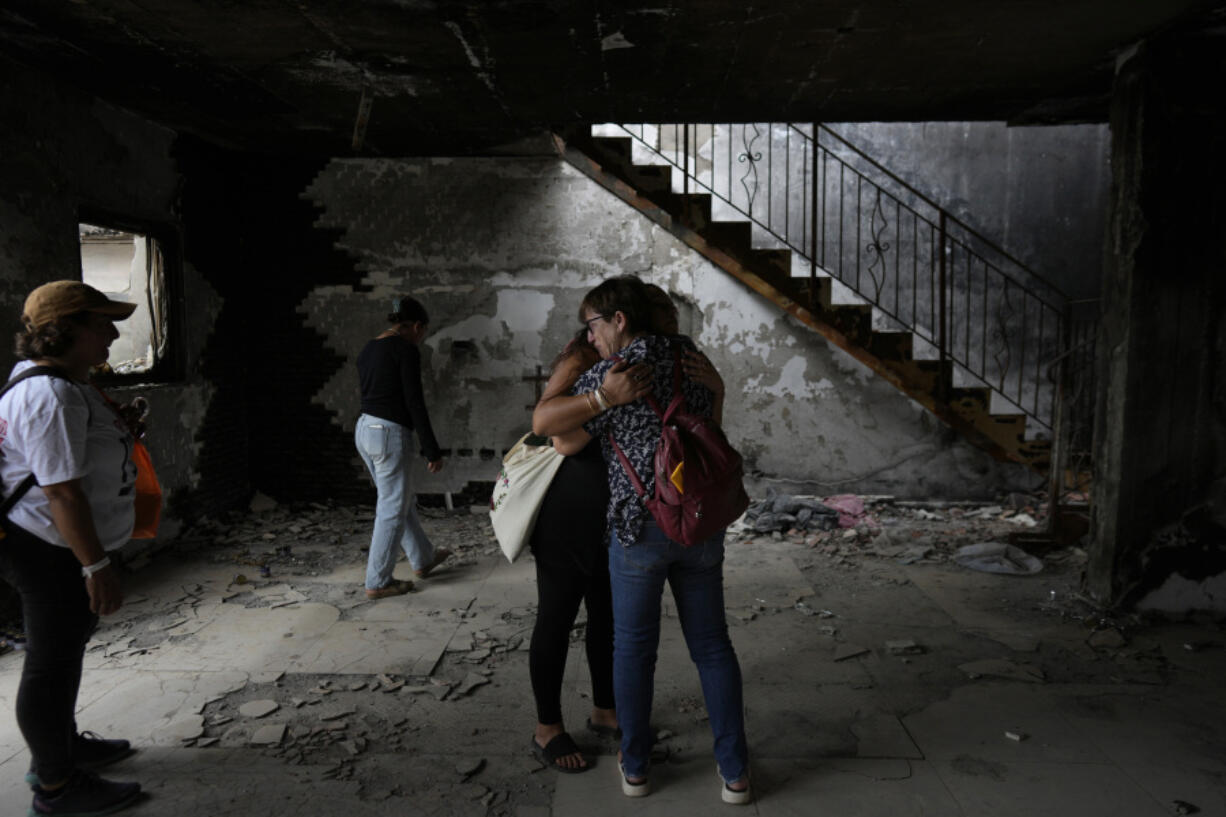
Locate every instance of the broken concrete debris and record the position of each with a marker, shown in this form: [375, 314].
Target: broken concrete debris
[1004, 668]
[845, 651]
[998, 557]
[781, 512]
[269, 735]
[471, 682]
[469, 766]
[258, 709]
[903, 646]
[1107, 637]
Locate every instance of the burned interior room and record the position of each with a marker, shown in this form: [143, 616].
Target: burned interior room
[951, 267]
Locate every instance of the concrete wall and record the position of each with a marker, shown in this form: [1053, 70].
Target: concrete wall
[502, 251]
[1039, 192]
[69, 153]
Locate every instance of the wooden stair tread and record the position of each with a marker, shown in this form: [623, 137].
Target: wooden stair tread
[889, 352]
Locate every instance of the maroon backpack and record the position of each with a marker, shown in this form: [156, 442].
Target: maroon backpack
[699, 489]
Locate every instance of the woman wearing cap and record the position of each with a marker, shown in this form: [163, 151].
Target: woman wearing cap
[68, 476]
[393, 407]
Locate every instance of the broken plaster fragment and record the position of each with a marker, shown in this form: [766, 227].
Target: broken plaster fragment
[845, 651]
[335, 716]
[258, 709]
[904, 646]
[470, 766]
[269, 735]
[1107, 637]
[471, 682]
[1004, 668]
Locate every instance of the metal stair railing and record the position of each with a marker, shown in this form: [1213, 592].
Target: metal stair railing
[805, 188]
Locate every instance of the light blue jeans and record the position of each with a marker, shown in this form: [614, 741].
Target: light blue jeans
[696, 575]
[386, 448]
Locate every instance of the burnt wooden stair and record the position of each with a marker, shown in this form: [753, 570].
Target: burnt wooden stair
[768, 272]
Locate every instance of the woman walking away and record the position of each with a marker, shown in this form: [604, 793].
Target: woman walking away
[570, 547]
[642, 558]
[393, 408]
[68, 477]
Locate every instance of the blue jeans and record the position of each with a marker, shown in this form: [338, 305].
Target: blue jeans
[386, 449]
[695, 574]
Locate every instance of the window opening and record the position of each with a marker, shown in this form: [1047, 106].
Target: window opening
[129, 266]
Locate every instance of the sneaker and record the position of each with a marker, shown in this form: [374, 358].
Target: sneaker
[640, 789]
[736, 797]
[395, 587]
[91, 751]
[85, 795]
[440, 555]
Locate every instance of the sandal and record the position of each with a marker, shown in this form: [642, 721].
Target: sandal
[559, 747]
[396, 587]
[440, 555]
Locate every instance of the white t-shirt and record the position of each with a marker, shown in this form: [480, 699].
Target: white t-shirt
[60, 430]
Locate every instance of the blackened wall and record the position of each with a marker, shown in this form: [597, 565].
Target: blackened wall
[65, 155]
[253, 239]
[1160, 440]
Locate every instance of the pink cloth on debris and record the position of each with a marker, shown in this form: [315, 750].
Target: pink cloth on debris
[850, 508]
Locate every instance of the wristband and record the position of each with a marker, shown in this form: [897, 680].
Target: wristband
[601, 399]
[89, 570]
[591, 404]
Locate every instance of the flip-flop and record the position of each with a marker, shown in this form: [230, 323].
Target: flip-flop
[559, 747]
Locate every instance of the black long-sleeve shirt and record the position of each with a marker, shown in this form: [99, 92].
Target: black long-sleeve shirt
[389, 370]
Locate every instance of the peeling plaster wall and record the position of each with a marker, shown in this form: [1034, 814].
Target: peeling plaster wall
[502, 250]
[68, 153]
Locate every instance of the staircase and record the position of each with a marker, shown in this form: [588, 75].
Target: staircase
[810, 222]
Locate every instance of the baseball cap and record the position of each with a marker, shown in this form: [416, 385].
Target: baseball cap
[59, 299]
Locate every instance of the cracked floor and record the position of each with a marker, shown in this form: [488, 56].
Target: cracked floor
[874, 685]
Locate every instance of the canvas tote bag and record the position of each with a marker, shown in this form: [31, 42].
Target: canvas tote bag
[527, 471]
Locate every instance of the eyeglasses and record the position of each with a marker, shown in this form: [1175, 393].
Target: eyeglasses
[588, 322]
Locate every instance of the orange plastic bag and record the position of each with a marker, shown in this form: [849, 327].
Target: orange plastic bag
[148, 494]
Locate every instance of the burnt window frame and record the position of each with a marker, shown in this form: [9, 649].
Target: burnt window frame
[170, 367]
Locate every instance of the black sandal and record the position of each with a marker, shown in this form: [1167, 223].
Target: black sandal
[559, 747]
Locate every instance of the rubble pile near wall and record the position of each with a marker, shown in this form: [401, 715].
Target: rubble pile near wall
[848, 527]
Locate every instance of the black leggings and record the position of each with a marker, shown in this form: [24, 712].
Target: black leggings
[58, 625]
[560, 586]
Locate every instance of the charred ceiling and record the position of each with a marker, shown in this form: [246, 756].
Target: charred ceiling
[454, 76]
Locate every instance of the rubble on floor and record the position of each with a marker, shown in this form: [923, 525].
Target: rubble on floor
[847, 528]
[816, 586]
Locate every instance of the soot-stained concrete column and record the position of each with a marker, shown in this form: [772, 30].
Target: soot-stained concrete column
[1160, 435]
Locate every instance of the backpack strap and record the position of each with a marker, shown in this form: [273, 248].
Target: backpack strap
[635, 481]
[677, 404]
[34, 371]
[30, 481]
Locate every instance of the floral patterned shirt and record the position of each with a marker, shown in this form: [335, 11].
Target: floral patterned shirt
[636, 426]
